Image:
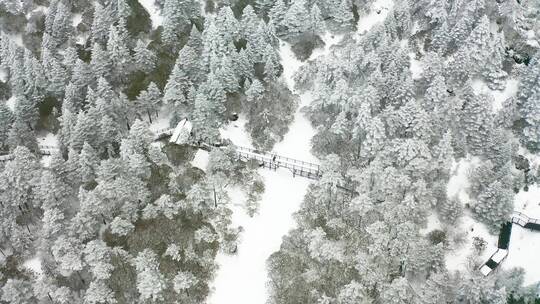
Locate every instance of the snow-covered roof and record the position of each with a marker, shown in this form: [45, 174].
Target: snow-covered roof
[182, 132]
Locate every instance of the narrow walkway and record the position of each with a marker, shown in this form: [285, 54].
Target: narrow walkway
[503, 243]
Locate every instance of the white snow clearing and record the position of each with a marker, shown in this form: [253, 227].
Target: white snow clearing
[417, 67]
[47, 140]
[162, 122]
[510, 90]
[3, 75]
[34, 265]
[16, 38]
[236, 132]
[11, 103]
[242, 278]
[200, 160]
[467, 229]
[154, 12]
[77, 18]
[378, 13]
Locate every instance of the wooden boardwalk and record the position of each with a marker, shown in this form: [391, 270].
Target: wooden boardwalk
[274, 161]
[517, 218]
[264, 159]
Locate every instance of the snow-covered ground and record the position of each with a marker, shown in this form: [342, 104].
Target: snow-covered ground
[467, 227]
[11, 103]
[524, 244]
[236, 133]
[379, 11]
[77, 18]
[416, 66]
[510, 90]
[49, 140]
[162, 122]
[242, 278]
[34, 265]
[200, 160]
[17, 38]
[3, 75]
[154, 12]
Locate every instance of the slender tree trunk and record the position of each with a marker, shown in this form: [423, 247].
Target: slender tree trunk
[2, 252]
[80, 277]
[215, 198]
[149, 115]
[50, 298]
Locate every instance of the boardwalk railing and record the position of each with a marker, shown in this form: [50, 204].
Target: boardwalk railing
[162, 133]
[274, 161]
[524, 221]
[263, 158]
[498, 257]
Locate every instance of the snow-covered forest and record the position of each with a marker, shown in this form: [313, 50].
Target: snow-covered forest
[419, 118]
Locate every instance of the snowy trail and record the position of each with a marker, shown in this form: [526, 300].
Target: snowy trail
[242, 278]
[153, 10]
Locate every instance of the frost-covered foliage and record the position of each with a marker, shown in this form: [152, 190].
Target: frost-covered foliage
[112, 215]
[115, 217]
[389, 141]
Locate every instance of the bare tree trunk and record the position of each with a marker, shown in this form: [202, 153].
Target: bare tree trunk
[80, 277]
[215, 198]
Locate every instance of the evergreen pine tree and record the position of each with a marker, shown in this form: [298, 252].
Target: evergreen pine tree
[317, 24]
[296, 19]
[145, 59]
[119, 51]
[20, 134]
[100, 63]
[6, 120]
[88, 164]
[176, 86]
[100, 24]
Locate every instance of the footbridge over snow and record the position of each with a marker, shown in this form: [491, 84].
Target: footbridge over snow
[264, 159]
[517, 218]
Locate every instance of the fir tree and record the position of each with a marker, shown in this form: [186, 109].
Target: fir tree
[176, 86]
[296, 20]
[88, 164]
[145, 59]
[100, 24]
[149, 100]
[317, 24]
[101, 63]
[118, 50]
[20, 134]
[6, 120]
